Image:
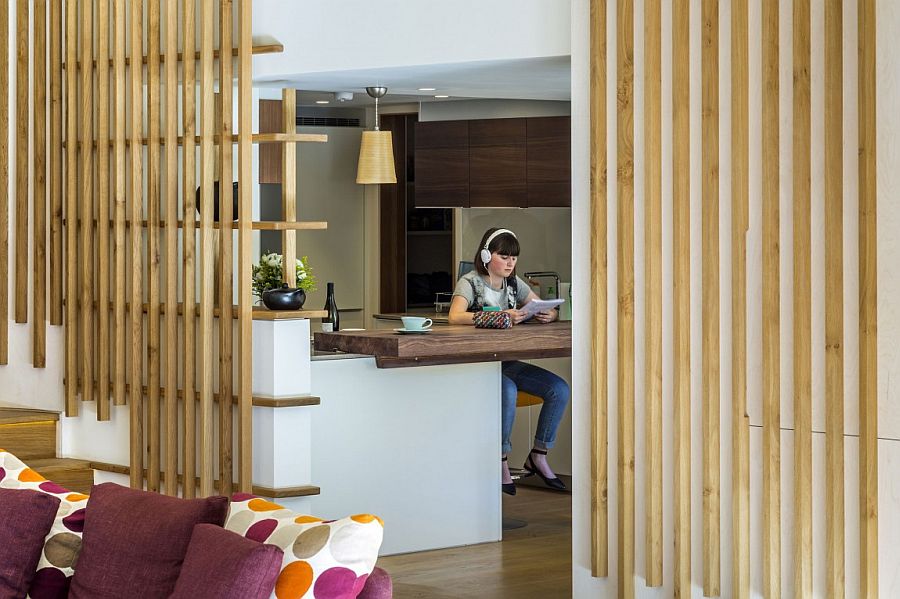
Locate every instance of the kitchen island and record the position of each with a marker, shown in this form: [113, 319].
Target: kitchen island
[409, 427]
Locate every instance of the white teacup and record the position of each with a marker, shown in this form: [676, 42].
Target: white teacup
[416, 323]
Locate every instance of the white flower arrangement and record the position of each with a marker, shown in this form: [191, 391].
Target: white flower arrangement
[267, 274]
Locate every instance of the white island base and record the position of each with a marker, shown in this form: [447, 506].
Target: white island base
[419, 447]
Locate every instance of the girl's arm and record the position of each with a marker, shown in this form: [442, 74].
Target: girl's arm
[458, 311]
[546, 315]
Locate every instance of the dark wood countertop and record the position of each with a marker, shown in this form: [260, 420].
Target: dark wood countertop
[436, 317]
[453, 344]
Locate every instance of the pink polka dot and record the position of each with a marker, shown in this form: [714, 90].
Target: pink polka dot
[2, 473]
[51, 487]
[237, 497]
[49, 583]
[75, 521]
[261, 530]
[336, 583]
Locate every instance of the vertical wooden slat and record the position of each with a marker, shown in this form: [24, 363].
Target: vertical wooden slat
[103, 181]
[681, 282]
[740, 431]
[137, 194]
[206, 361]
[153, 233]
[710, 295]
[653, 288]
[289, 185]
[770, 306]
[120, 287]
[4, 193]
[868, 306]
[625, 278]
[39, 203]
[802, 304]
[245, 321]
[599, 373]
[71, 324]
[834, 299]
[55, 160]
[86, 202]
[171, 280]
[23, 158]
[188, 246]
[226, 255]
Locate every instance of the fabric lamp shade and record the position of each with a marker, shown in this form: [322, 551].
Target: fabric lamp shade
[376, 158]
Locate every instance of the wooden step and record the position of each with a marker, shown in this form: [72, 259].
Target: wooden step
[29, 434]
[75, 475]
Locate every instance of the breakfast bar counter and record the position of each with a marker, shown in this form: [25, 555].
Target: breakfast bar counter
[453, 344]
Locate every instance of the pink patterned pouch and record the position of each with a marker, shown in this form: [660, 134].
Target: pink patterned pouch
[492, 320]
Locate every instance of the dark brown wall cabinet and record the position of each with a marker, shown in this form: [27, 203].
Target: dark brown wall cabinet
[442, 164]
[516, 163]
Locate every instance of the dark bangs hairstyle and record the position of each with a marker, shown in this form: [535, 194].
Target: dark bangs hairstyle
[504, 244]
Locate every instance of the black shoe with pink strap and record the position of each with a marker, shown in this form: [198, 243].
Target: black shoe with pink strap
[553, 483]
[508, 488]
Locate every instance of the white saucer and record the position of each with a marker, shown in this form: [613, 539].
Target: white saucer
[405, 331]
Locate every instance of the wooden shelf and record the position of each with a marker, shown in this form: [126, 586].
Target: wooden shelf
[266, 138]
[265, 225]
[259, 312]
[257, 138]
[267, 492]
[260, 49]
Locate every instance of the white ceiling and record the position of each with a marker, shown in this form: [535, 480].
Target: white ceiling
[545, 78]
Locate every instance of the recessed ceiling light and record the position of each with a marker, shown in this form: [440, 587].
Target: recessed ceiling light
[427, 89]
[321, 101]
[442, 96]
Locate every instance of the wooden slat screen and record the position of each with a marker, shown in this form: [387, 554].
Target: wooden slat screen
[653, 333]
[116, 230]
[599, 356]
[774, 270]
[4, 187]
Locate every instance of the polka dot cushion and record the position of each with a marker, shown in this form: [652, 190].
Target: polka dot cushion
[322, 559]
[63, 543]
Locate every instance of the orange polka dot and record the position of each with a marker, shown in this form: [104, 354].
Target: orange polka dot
[294, 581]
[306, 519]
[30, 476]
[366, 518]
[76, 497]
[261, 505]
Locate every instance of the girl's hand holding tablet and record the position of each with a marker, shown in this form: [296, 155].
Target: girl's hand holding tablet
[546, 316]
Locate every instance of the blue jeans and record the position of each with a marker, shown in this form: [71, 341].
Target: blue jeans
[542, 383]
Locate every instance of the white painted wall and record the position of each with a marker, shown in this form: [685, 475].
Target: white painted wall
[319, 36]
[888, 60]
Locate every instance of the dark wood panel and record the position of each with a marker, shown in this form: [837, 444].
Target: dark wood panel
[549, 162]
[442, 134]
[497, 176]
[393, 222]
[270, 154]
[442, 177]
[454, 344]
[493, 132]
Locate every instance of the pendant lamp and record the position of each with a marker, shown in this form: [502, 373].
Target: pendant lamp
[376, 152]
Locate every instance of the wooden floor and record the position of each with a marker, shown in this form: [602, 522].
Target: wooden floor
[534, 562]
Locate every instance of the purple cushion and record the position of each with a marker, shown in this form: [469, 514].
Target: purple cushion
[244, 569]
[378, 586]
[135, 541]
[25, 519]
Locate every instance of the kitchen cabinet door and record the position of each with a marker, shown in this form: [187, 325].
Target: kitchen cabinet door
[549, 162]
[442, 164]
[497, 163]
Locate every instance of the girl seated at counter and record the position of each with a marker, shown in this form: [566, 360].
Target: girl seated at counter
[493, 283]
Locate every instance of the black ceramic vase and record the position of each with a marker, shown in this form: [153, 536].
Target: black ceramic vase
[234, 201]
[285, 298]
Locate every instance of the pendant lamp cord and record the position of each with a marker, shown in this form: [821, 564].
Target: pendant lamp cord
[376, 113]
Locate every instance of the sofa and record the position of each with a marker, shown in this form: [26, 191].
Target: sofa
[123, 542]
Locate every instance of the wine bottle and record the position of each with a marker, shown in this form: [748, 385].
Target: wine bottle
[334, 316]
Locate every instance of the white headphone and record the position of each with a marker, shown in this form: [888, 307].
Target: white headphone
[485, 252]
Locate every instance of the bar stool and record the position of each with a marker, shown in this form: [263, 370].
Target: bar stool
[523, 399]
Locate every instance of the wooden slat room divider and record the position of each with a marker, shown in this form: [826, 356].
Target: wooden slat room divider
[599, 355]
[773, 258]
